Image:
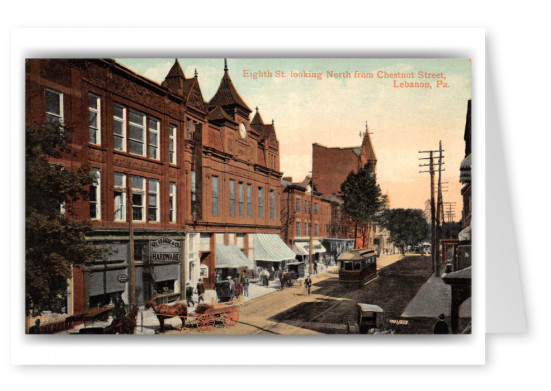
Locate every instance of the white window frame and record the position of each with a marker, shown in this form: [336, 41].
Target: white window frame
[215, 205]
[138, 191]
[97, 186]
[156, 133]
[122, 120]
[56, 115]
[157, 194]
[260, 202]
[172, 202]
[172, 146]
[232, 197]
[143, 126]
[272, 204]
[120, 189]
[299, 229]
[97, 110]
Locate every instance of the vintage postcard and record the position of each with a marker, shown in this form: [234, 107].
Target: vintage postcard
[248, 196]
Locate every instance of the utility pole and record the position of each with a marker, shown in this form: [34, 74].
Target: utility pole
[439, 213]
[132, 268]
[434, 217]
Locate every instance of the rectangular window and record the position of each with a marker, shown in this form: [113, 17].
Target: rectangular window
[188, 128]
[316, 229]
[172, 144]
[260, 203]
[54, 106]
[215, 188]
[119, 127]
[315, 208]
[298, 229]
[94, 108]
[138, 196]
[193, 195]
[153, 138]
[272, 205]
[154, 208]
[136, 124]
[172, 202]
[95, 195]
[232, 198]
[306, 229]
[120, 196]
[249, 200]
[298, 204]
[241, 199]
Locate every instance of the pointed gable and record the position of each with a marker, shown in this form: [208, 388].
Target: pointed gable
[175, 79]
[265, 131]
[193, 95]
[367, 147]
[227, 96]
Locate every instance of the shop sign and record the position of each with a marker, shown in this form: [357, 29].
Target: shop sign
[165, 249]
[122, 278]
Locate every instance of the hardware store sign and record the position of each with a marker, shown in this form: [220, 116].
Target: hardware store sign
[165, 249]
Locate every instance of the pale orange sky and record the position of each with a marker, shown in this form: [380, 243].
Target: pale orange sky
[332, 111]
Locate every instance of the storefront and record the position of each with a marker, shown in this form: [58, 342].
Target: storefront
[302, 250]
[271, 253]
[230, 261]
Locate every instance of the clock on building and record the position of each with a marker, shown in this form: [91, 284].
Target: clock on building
[242, 130]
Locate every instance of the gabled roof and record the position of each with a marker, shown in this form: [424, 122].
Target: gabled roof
[367, 147]
[175, 79]
[264, 130]
[227, 95]
[218, 114]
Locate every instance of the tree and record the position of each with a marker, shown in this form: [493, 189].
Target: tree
[363, 199]
[407, 227]
[53, 241]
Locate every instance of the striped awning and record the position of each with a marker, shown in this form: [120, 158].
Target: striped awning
[270, 247]
[231, 256]
[303, 248]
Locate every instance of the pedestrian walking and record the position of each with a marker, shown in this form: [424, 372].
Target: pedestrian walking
[315, 267]
[245, 285]
[189, 295]
[200, 291]
[308, 283]
[441, 327]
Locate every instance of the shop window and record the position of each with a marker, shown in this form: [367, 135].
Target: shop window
[95, 195]
[94, 109]
[153, 139]
[172, 146]
[164, 287]
[119, 127]
[153, 205]
[120, 196]
[54, 106]
[138, 195]
[136, 123]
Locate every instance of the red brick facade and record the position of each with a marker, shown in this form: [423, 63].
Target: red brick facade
[179, 134]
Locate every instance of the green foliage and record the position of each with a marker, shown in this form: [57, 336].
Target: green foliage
[362, 196]
[53, 242]
[407, 227]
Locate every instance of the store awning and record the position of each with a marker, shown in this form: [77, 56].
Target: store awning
[231, 256]
[270, 247]
[303, 248]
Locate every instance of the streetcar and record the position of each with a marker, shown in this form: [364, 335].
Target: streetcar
[357, 266]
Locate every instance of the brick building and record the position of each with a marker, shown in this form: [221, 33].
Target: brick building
[331, 168]
[193, 184]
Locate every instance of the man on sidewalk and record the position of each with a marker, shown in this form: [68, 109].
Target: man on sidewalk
[200, 291]
[308, 283]
[189, 295]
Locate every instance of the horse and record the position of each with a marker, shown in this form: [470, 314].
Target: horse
[124, 325]
[285, 279]
[164, 311]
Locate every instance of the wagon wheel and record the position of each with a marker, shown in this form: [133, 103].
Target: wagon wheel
[205, 322]
[231, 317]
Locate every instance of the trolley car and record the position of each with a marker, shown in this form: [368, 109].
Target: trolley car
[357, 266]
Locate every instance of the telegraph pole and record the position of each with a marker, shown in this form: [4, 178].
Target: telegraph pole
[433, 212]
[132, 268]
